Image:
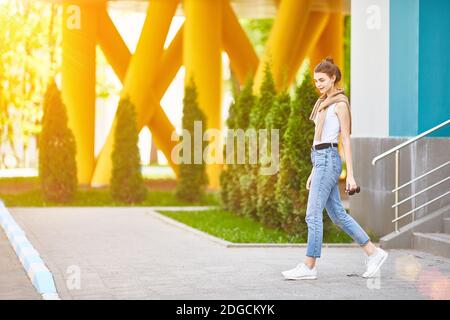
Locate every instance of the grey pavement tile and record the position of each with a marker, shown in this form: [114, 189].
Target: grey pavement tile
[142, 257]
[14, 282]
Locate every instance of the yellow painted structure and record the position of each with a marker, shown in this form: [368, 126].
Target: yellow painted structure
[78, 80]
[290, 22]
[243, 58]
[140, 75]
[300, 31]
[202, 56]
[331, 42]
[316, 23]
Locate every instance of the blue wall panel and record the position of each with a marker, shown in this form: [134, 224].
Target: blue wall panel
[404, 68]
[419, 70]
[434, 62]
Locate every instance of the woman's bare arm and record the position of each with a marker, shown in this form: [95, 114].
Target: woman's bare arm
[344, 120]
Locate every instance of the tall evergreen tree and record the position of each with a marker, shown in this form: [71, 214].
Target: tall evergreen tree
[226, 174]
[244, 106]
[57, 150]
[192, 180]
[277, 118]
[295, 166]
[249, 180]
[127, 184]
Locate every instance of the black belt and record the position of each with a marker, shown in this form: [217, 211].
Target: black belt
[324, 146]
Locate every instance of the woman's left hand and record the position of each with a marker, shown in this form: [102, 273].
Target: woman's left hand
[351, 183]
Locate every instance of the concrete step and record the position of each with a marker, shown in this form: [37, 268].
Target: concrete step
[447, 225]
[435, 243]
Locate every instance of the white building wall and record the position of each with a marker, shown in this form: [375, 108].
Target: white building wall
[370, 68]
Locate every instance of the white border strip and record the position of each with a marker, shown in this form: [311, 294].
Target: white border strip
[39, 274]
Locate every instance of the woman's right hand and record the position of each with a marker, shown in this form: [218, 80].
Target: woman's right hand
[308, 183]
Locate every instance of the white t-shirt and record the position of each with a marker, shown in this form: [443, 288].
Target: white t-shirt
[331, 127]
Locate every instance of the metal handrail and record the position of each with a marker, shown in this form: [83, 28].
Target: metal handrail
[420, 192]
[420, 177]
[425, 204]
[404, 144]
[397, 164]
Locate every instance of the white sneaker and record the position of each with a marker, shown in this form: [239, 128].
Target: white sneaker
[374, 262]
[301, 272]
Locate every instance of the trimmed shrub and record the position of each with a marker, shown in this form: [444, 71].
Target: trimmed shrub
[127, 184]
[57, 150]
[192, 180]
[249, 180]
[226, 174]
[277, 118]
[295, 166]
[238, 119]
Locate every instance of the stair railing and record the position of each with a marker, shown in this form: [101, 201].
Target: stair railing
[397, 170]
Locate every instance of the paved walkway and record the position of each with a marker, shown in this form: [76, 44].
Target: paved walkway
[129, 253]
[14, 282]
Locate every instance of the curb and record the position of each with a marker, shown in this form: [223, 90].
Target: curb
[229, 244]
[185, 227]
[193, 208]
[34, 266]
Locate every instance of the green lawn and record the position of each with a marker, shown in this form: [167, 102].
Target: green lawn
[26, 192]
[217, 222]
[233, 228]
[102, 197]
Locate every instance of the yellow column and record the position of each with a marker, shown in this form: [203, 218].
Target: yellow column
[290, 22]
[314, 28]
[78, 80]
[203, 62]
[142, 71]
[112, 44]
[243, 58]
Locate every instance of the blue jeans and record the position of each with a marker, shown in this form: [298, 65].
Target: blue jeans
[324, 193]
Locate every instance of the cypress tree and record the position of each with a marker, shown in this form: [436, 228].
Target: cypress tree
[249, 180]
[226, 174]
[192, 180]
[243, 108]
[127, 184]
[277, 118]
[295, 166]
[57, 150]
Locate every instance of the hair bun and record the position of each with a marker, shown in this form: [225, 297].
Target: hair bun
[329, 59]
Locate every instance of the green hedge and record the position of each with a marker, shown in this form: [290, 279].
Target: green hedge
[127, 184]
[192, 180]
[57, 150]
[277, 200]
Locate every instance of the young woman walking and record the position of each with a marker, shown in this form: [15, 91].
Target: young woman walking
[331, 115]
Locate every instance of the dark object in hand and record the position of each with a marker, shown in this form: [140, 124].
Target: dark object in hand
[352, 191]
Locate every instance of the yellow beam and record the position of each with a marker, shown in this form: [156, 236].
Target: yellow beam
[331, 42]
[170, 64]
[243, 58]
[203, 62]
[119, 56]
[112, 45]
[162, 136]
[142, 71]
[290, 21]
[314, 29]
[78, 80]
[146, 60]
[171, 61]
